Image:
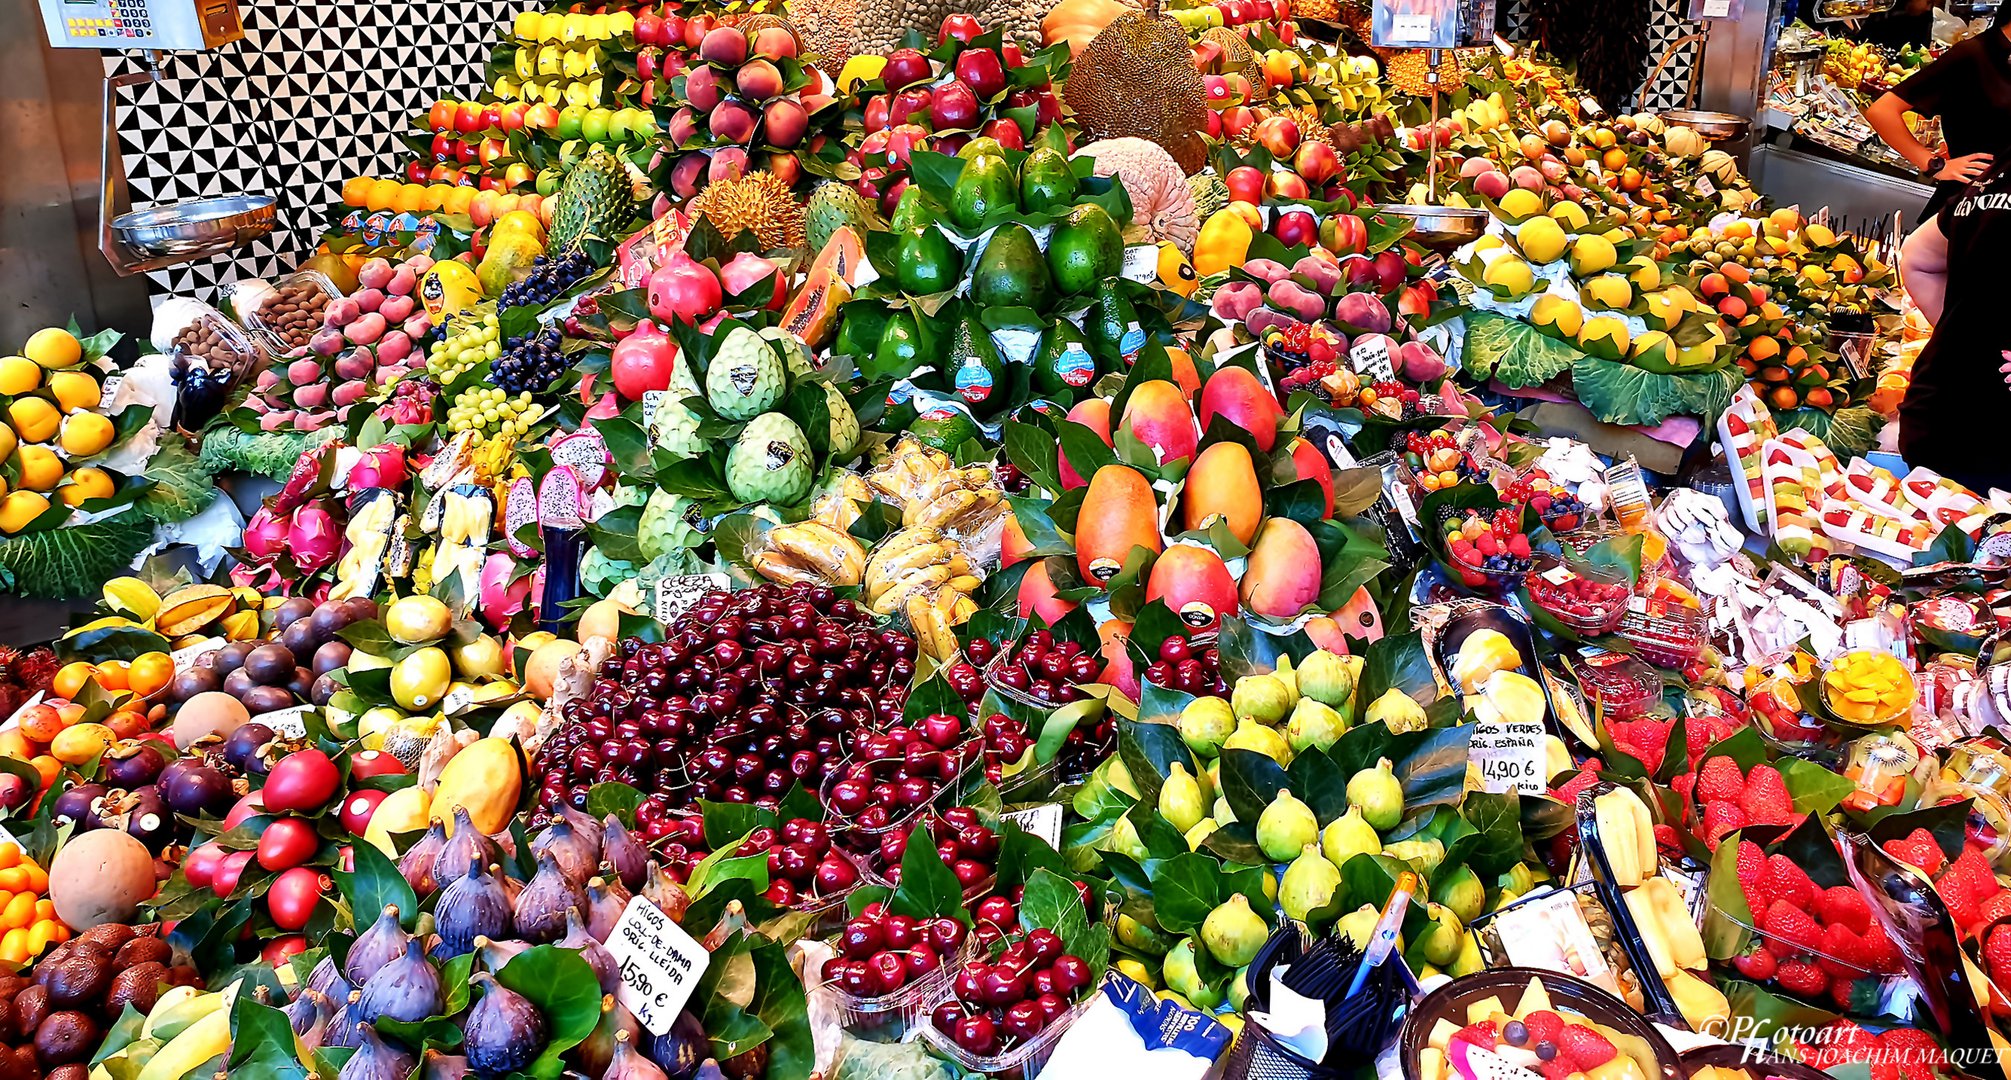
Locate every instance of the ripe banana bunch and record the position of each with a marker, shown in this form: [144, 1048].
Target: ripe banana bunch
[960, 501]
[182, 1031]
[841, 504]
[466, 514]
[924, 574]
[907, 469]
[369, 535]
[934, 618]
[812, 551]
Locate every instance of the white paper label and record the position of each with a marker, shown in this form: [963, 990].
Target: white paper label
[1043, 821]
[650, 400]
[660, 964]
[1550, 932]
[1509, 755]
[1410, 27]
[457, 699]
[291, 723]
[674, 594]
[1015, 345]
[1337, 452]
[186, 657]
[1370, 357]
[1141, 263]
[1717, 9]
[1558, 575]
[1406, 509]
[110, 392]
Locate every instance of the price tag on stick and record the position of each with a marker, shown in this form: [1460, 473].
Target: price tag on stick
[660, 964]
[1510, 756]
[1043, 821]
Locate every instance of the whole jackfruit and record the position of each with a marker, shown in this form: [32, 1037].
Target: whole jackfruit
[1137, 78]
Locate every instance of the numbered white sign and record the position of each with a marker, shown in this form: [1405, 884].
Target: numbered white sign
[660, 964]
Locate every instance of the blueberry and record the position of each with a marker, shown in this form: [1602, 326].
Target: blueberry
[1515, 1032]
[1546, 1050]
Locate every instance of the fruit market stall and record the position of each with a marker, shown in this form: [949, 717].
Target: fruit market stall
[856, 541]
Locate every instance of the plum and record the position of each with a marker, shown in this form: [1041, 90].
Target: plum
[1269, 270]
[1321, 276]
[1295, 299]
[1237, 299]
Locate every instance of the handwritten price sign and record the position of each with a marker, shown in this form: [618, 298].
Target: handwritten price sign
[660, 964]
[1509, 756]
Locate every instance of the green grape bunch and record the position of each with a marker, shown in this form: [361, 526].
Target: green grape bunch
[474, 341]
[491, 411]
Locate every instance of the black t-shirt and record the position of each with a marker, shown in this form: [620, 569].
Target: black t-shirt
[1955, 411]
[1969, 88]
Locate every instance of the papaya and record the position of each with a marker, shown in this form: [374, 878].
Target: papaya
[1195, 584]
[812, 315]
[1223, 484]
[1283, 573]
[485, 778]
[1158, 415]
[1118, 514]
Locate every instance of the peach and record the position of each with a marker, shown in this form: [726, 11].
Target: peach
[732, 121]
[759, 80]
[701, 89]
[785, 122]
[723, 45]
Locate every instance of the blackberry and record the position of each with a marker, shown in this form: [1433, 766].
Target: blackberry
[549, 276]
[530, 363]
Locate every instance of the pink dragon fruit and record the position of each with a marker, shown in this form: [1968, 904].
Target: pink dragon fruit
[265, 534]
[379, 467]
[315, 538]
[501, 597]
[305, 478]
[411, 402]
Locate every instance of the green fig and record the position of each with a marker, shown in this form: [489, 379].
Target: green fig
[1180, 801]
[1518, 877]
[1222, 813]
[1396, 710]
[1285, 826]
[1200, 833]
[1184, 979]
[1251, 735]
[1124, 840]
[1379, 795]
[1313, 725]
[1348, 836]
[1119, 777]
[1309, 883]
[1239, 989]
[1327, 678]
[1270, 880]
[1442, 946]
[1352, 710]
[1284, 674]
[1234, 933]
[1140, 938]
[1462, 891]
[1264, 698]
[1205, 723]
[1469, 959]
[1423, 855]
[1360, 926]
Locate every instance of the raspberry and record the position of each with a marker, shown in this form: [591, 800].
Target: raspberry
[1765, 798]
[1789, 924]
[1802, 979]
[1788, 881]
[1585, 1047]
[1845, 905]
[1720, 781]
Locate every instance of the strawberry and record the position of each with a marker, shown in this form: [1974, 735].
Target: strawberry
[1967, 913]
[1667, 841]
[1720, 818]
[1843, 953]
[1786, 880]
[1719, 781]
[1765, 798]
[1482, 1034]
[1881, 956]
[1913, 1047]
[1790, 925]
[1801, 978]
[1683, 783]
[1758, 965]
[1997, 907]
[1543, 1026]
[1752, 871]
[1585, 1047]
[1843, 991]
[1919, 849]
[1568, 792]
[1843, 904]
[1997, 956]
[1557, 1068]
[1839, 1043]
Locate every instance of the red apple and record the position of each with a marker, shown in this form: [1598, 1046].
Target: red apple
[961, 27]
[1245, 184]
[876, 113]
[982, 69]
[1295, 227]
[954, 105]
[905, 68]
[907, 104]
[1344, 234]
[513, 115]
[1007, 133]
[1287, 185]
[468, 117]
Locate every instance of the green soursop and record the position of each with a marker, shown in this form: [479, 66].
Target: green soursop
[669, 523]
[674, 428]
[596, 199]
[795, 358]
[844, 422]
[834, 206]
[770, 462]
[745, 376]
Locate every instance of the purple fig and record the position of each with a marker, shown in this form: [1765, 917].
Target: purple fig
[407, 988]
[505, 1032]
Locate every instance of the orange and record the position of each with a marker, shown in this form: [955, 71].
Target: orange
[1783, 397]
[69, 682]
[150, 673]
[382, 194]
[45, 908]
[112, 674]
[1764, 349]
[356, 191]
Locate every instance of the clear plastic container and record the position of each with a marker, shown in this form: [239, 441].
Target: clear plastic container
[860, 837]
[1587, 598]
[287, 313]
[1627, 492]
[889, 1017]
[1617, 686]
[1882, 714]
[1022, 1062]
[1027, 697]
[1663, 632]
[207, 356]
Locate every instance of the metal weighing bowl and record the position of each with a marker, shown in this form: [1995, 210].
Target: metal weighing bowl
[1440, 228]
[1714, 126]
[196, 227]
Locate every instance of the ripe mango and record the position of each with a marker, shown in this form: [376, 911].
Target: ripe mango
[1236, 394]
[1094, 414]
[1194, 583]
[1037, 595]
[1118, 514]
[1283, 574]
[1309, 464]
[1158, 415]
[1223, 483]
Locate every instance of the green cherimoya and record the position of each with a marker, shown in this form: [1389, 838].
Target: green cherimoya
[844, 422]
[1180, 799]
[669, 522]
[745, 376]
[1309, 883]
[1205, 724]
[1234, 933]
[1285, 826]
[835, 206]
[770, 462]
[1264, 698]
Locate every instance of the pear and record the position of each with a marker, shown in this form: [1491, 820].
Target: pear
[1327, 678]
[1205, 723]
[1285, 826]
[1348, 836]
[1397, 711]
[1378, 793]
[1183, 978]
[1180, 801]
[1251, 735]
[1264, 698]
[1309, 883]
[1233, 933]
[1313, 726]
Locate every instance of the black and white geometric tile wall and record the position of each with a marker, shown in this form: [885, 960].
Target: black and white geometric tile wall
[314, 94]
[1666, 24]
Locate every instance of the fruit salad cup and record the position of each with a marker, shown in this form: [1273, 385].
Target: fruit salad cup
[1617, 686]
[1868, 688]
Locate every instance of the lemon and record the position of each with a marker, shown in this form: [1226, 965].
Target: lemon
[53, 348]
[1592, 255]
[34, 419]
[73, 389]
[19, 508]
[413, 619]
[1542, 239]
[87, 433]
[41, 469]
[420, 680]
[86, 483]
[19, 375]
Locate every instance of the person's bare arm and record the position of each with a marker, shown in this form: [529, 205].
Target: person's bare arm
[1923, 265]
[1887, 116]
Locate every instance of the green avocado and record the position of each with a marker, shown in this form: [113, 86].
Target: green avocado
[859, 330]
[1045, 181]
[1063, 361]
[900, 350]
[974, 369]
[1111, 327]
[1085, 247]
[926, 262]
[944, 428]
[1011, 272]
[913, 210]
[985, 187]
